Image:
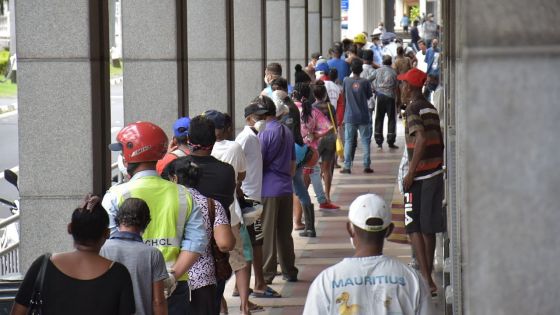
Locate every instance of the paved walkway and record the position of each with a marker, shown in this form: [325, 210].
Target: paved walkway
[332, 242]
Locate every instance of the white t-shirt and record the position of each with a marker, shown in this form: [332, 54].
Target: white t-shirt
[369, 285]
[231, 152]
[249, 141]
[333, 91]
[421, 58]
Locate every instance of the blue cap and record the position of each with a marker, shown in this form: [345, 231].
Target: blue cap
[323, 67]
[181, 127]
[218, 118]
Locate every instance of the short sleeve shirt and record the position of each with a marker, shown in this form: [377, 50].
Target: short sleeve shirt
[356, 93]
[423, 116]
[203, 272]
[145, 265]
[252, 184]
[278, 152]
[368, 285]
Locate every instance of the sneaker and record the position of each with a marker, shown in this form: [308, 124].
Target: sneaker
[368, 170]
[392, 146]
[328, 206]
[345, 171]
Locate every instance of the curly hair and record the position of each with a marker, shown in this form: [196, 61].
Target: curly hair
[134, 212]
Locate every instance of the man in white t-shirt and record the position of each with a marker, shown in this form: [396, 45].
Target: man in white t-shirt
[369, 282]
[252, 187]
[421, 56]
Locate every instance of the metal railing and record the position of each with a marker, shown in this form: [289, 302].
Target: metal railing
[9, 256]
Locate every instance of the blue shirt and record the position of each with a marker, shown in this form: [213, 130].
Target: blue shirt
[356, 93]
[269, 91]
[341, 66]
[377, 54]
[194, 238]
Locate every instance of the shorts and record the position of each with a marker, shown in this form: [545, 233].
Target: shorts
[423, 209]
[255, 233]
[236, 258]
[327, 147]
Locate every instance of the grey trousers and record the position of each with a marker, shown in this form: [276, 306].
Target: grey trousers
[278, 245]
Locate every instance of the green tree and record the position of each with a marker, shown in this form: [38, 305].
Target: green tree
[414, 13]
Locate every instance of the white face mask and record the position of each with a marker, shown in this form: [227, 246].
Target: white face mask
[260, 125]
[120, 164]
[352, 242]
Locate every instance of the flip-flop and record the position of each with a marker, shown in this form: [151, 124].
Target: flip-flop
[235, 293]
[255, 308]
[267, 293]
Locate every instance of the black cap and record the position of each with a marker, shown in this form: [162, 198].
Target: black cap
[218, 118]
[255, 108]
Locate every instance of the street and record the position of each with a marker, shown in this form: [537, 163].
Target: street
[9, 156]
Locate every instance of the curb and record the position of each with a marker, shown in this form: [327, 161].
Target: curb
[7, 108]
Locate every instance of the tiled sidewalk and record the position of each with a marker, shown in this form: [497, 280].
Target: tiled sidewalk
[332, 242]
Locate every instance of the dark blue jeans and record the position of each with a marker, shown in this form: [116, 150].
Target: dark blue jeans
[179, 302]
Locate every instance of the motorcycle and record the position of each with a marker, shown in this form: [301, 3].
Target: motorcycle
[9, 235]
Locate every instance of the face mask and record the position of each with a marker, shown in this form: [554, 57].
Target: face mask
[260, 125]
[120, 164]
[352, 242]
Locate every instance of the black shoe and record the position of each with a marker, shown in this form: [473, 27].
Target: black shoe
[368, 170]
[380, 146]
[308, 233]
[392, 146]
[290, 278]
[345, 171]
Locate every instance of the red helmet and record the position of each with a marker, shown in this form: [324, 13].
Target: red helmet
[141, 141]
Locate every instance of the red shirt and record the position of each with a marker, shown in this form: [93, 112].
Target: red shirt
[161, 164]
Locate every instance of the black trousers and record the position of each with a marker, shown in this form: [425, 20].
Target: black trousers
[385, 106]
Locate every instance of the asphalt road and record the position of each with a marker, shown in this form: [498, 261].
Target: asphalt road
[9, 156]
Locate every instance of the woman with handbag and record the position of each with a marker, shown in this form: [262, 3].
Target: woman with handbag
[213, 265]
[81, 281]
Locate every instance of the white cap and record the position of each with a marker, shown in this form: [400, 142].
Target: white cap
[366, 207]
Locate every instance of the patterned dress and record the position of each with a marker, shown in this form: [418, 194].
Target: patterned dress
[203, 272]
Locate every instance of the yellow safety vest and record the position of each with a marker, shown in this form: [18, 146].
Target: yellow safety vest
[170, 207]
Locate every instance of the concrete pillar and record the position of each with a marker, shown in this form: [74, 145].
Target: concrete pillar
[207, 56]
[356, 17]
[248, 55]
[314, 29]
[389, 15]
[297, 35]
[507, 184]
[56, 129]
[326, 24]
[277, 34]
[149, 34]
[336, 20]
[399, 11]
[364, 16]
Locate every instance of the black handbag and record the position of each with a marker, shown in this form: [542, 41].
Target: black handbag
[36, 302]
[221, 260]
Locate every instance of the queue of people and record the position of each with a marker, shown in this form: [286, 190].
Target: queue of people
[194, 211]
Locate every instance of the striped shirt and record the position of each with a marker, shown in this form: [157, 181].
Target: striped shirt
[423, 116]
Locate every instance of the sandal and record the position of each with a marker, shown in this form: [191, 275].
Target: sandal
[235, 293]
[255, 308]
[267, 293]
